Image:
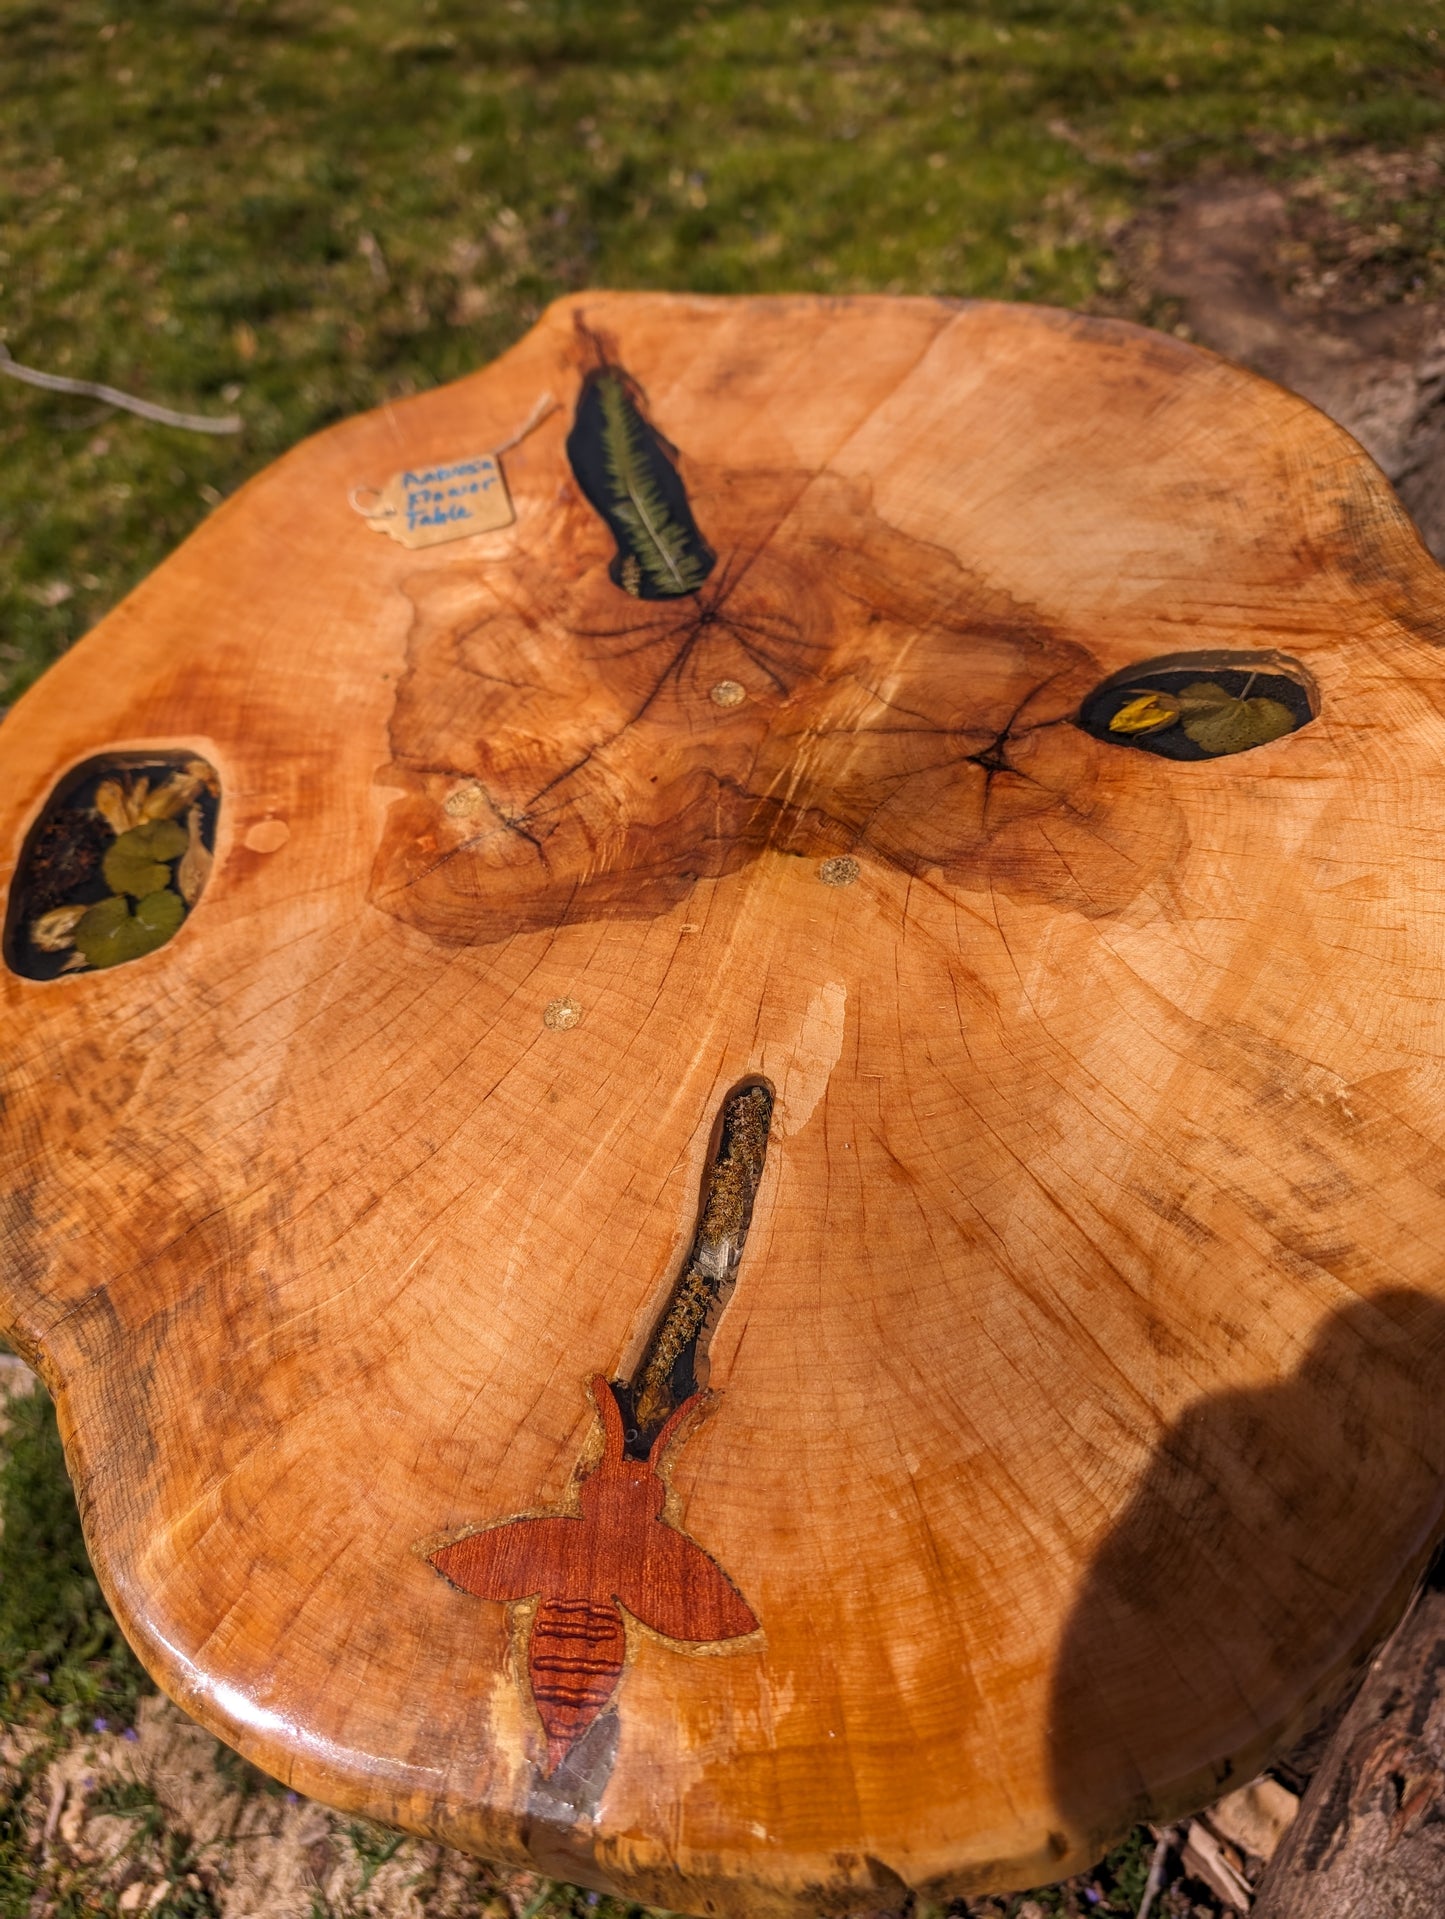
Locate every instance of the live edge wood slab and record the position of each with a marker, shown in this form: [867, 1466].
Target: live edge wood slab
[767, 1222]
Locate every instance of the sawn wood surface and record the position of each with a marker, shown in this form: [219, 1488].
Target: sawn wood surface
[1074, 1417]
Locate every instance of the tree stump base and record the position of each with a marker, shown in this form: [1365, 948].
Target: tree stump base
[1369, 1842]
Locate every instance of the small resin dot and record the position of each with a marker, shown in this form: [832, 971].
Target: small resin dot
[728, 693]
[267, 836]
[560, 1014]
[839, 872]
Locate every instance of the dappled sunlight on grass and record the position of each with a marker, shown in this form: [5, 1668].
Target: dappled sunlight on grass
[294, 211]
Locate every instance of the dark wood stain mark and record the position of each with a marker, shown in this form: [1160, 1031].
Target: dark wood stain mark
[619, 1553]
[607, 782]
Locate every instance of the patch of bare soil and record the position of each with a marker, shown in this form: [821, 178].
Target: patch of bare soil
[165, 1819]
[1334, 285]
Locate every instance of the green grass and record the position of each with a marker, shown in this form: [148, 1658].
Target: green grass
[295, 210]
[64, 1667]
[63, 1662]
[374, 1846]
[188, 1896]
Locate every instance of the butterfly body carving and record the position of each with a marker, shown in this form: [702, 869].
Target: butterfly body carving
[618, 1553]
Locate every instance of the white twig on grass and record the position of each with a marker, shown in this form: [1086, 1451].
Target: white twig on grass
[58, 1791]
[1152, 1885]
[93, 390]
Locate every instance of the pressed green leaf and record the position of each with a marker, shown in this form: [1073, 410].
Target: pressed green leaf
[134, 864]
[110, 933]
[137, 877]
[1219, 723]
[99, 922]
[160, 915]
[1204, 695]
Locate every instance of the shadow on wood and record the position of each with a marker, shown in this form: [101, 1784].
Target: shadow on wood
[1236, 1569]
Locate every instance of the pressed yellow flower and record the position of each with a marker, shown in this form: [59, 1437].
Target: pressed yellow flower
[1145, 712]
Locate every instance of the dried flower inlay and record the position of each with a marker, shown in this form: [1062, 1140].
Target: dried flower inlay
[1201, 706]
[116, 861]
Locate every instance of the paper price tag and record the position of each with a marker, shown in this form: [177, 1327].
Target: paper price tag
[425, 505]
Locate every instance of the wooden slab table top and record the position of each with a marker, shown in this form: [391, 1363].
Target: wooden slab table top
[739, 1186]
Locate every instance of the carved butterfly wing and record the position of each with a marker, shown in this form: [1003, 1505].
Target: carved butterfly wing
[674, 1587]
[511, 1561]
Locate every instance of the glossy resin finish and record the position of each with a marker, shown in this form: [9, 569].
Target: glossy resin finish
[1003, 751]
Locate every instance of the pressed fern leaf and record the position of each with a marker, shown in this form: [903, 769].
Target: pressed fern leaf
[659, 545]
[624, 468]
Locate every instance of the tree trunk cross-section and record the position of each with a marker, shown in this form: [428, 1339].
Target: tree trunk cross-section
[776, 1234]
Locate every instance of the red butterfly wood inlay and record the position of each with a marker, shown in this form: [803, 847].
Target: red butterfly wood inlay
[619, 1553]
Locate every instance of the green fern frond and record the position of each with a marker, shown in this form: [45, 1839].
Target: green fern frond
[659, 544]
